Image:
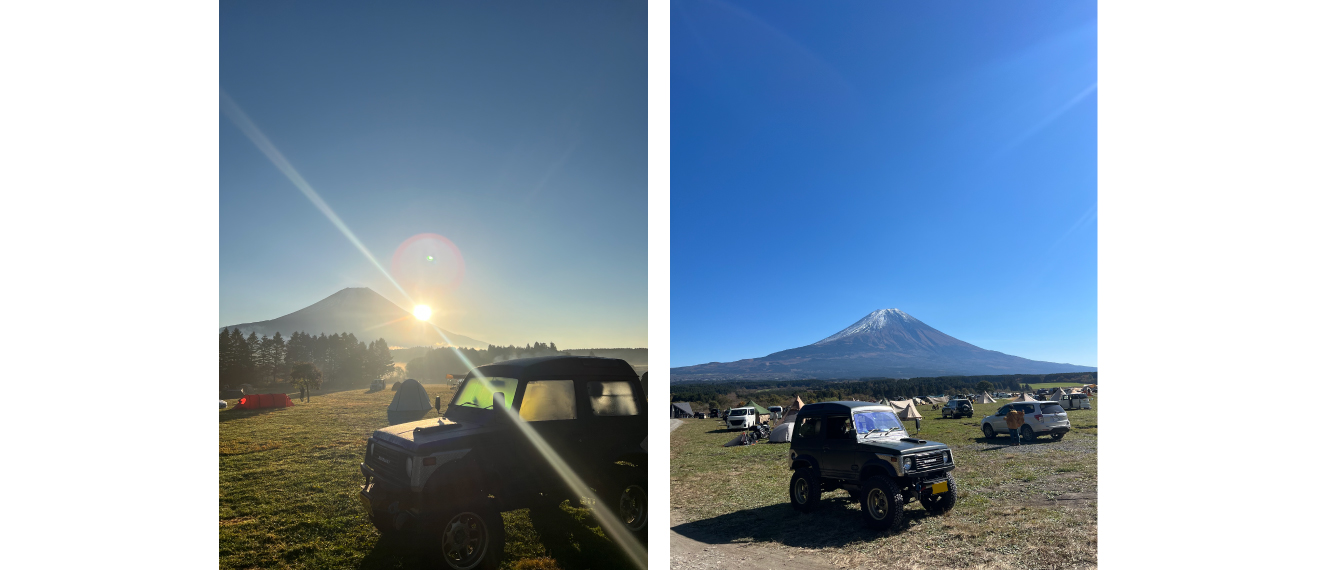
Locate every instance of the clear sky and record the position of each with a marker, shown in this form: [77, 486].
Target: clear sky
[935, 157]
[515, 130]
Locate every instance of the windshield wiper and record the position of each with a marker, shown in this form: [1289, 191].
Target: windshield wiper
[887, 430]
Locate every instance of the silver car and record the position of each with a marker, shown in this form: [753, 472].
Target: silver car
[1041, 418]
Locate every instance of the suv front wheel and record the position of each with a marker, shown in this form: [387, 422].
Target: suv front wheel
[988, 431]
[941, 503]
[804, 490]
[882, 504]
[468, 536]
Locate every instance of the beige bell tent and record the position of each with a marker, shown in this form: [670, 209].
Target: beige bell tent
[909, 413]
[985, 398]
[899, 404]
[411, 403]
[1025, 397]
[939, 400]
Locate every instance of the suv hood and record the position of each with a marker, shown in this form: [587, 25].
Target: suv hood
[897, 445]
[405, 436]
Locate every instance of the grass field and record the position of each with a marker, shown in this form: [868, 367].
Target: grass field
[289, 480]
[1032, 506]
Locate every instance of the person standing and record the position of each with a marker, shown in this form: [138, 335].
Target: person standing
[1015, 419]
[302, 394]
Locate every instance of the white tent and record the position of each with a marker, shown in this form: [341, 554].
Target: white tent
[899, 404]
[410, 403]
[985, 398]
[783, 433]
[939, 400]
[1057, 394]
[1025, 397]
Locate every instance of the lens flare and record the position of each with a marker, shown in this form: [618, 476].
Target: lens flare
[422, 312]
[428, 266]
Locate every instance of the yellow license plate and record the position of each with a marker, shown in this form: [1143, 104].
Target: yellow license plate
[366, 504]
[941, 487]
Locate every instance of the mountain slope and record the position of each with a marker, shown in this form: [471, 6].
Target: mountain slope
[362, 312]
[885, 343]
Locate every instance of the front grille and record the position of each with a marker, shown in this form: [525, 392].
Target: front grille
[929, 460]
[388, 462]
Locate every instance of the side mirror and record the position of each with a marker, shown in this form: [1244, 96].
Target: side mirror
[437, 404]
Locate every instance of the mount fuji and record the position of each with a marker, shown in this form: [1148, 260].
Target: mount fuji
[363, 312]
[885, 344]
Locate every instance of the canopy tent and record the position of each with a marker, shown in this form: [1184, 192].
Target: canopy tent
[909, 413]
[259, 401]
[1025, 397]
[411, 403]
[985, 398]
[939, 400]
[680, 410]
[759, 409]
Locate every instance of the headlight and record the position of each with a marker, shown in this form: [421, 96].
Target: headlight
[948, 456]
[407, 467]
[370, 446]
[909, 463]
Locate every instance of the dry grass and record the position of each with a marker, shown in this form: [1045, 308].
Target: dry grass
[289, 480]
[1031, 506]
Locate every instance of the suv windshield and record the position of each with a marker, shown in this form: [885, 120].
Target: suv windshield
[475, 394]
[1051, 409]
[876, 422]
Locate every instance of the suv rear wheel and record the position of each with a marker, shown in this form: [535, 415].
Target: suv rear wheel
[988, 431]
[1028, 433]
[469, 536]
[882, 504]
[627, 498]
[804, 489]
[1056, 436]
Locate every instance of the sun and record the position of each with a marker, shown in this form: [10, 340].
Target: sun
[422, 312]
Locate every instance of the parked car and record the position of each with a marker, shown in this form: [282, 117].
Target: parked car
[1075, 402]
[1046, 417]
[741, 418]
[956, 409]
[451, 478]
[862, 447]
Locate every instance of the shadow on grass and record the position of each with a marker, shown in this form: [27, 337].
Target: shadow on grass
[232, 415]
[572, 544]
[831, 524]
[1002, 442]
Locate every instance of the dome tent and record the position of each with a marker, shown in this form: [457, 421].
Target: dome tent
[411, 403]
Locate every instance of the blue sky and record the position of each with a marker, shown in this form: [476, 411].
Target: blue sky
[515, 130]
[936, 157]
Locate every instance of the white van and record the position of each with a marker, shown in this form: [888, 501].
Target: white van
[741, 418]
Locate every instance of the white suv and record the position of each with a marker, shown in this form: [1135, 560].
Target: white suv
[1040, 418]
[741, 418]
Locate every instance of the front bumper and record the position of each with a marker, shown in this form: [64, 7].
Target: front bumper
[381, 497]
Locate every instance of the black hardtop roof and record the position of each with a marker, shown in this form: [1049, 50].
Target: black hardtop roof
[558, 365]
[836, 407]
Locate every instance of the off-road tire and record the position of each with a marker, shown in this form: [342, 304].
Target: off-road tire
[625, 495]
[1056, 436]
[941, 503]
[988, 431]
[1026, 433]
[881, 493]
[804, 490]
[467, 535]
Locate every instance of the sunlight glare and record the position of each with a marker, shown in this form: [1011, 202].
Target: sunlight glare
[422, 312]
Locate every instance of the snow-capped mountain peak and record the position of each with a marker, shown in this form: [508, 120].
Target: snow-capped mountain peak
[873, 323]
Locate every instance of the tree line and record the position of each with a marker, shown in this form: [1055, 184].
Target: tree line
[341, 359]
[436, 364]
[776, 392]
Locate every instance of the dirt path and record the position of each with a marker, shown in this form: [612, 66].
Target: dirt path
[673, 425]
[688, 554]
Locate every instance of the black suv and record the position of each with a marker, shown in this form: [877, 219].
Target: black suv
[451, 478]
[956, 409]
[861, 447]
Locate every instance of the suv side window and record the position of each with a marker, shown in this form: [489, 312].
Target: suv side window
[838, 427]
[1003, 411]
[546, 400]
[810, 428]
[612, 398]
[1027, 409]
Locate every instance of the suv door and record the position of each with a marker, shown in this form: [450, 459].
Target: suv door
[807, 436]
[999, 421]
[837, 448]
[550, 408]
